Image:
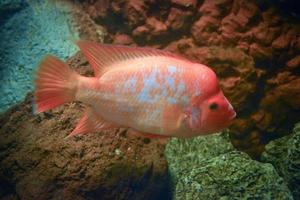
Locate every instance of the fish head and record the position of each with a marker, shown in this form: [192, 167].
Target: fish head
[210, 111]
[215, 114]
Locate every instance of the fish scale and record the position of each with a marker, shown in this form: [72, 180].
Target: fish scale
[125, 104]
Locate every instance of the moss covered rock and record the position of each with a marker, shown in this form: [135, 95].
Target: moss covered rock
[209, 168]
[284, 154]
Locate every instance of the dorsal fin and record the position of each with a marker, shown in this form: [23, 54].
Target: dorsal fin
[102, 56]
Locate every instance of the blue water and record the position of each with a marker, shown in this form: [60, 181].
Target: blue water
[28, 31]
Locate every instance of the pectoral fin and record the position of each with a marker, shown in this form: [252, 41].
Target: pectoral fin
[193, 118]
[173, 118]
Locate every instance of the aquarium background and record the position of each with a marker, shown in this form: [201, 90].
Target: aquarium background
[30, 30]
[254, 47]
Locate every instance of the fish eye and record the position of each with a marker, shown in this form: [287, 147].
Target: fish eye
[213, 106]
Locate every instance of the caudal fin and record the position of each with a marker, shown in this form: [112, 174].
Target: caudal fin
[55, 84]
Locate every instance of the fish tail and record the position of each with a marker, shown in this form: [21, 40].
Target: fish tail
[55, 84]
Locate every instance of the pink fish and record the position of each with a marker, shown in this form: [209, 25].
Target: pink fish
[153, 92]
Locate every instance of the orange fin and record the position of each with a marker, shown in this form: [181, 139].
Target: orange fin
[90, 122]
[55, 84]
[146, 135]
[102, 56]
[172, 118]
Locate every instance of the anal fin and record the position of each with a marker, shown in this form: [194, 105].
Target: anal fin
[90, 122]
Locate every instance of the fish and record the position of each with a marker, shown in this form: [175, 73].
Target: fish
[154, 93]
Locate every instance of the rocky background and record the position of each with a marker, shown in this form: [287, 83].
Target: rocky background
[254, 46]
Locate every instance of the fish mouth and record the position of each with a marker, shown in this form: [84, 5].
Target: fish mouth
[233, 115]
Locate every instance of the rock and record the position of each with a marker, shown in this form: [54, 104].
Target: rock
[215, 9]
[153, 29]
[284, 40]
[208, 167]
[242, 15]
[156, 27]
[297, 44]
[177, 19]
[7, 8]
[264, 34]
[290, 93]
[140, 32]
[99, 9]
[36, 162]
[271, 17]
[204, 31]
[135, 12]
[284, 155]
[181, 153]
[294, 63]
[247, 13]
[123, 39]
[185, 3]
[260, 52]
[282, 102]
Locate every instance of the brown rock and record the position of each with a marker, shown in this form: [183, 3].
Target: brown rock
[281, 78]
[280, 104]
[297, 43]
[86, 27]
[242, 17]
[36, 162]
[264, 34]
[151, 30]
[271, 17]
[228, 30]
[185, 3]
[156, 27]
[284, 40]
[123, 39]
[289, 93]
[294, 63]
[118, 6]
[260, 52]
[99, 9]
[262, 119]
[135, 12]
[204, 31]
[246, 12]
[140, 31]
[215, 9]
[181, 46]
[243, 46]
[178, 19]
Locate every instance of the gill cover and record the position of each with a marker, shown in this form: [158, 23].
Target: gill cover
[194, 118]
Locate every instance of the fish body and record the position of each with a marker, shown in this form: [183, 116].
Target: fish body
[149, 91]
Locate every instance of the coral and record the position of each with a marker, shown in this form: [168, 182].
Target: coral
[208, 167]
[284, 155]
[36, 162]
